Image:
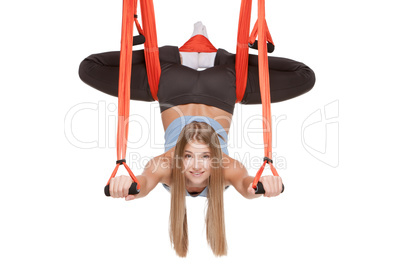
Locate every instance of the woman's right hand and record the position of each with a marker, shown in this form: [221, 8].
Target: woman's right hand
[119, 186]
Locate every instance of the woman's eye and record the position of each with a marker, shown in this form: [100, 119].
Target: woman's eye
[187, 156]
[206, 156]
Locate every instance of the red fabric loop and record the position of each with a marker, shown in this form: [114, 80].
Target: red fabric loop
[129, 172]
[151, 52]
[261, 30]
[198, 43]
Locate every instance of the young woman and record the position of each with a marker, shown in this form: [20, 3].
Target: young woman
[196, 166]
[196, 110]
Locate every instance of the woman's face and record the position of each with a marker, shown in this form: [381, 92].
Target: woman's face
[197, 164]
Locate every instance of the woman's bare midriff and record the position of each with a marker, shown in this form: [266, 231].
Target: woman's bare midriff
[195, 109]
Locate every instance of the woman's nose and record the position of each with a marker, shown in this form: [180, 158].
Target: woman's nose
[197, 164]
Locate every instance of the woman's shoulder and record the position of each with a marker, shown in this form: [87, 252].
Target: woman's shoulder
[232, 169]
[161, 167]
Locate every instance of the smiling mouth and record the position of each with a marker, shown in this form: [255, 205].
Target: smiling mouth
[197, 173]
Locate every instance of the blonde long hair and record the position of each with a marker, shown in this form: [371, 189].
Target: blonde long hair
[214, 219]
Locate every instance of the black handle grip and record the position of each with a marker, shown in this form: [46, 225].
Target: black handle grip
[138, 40]
[132, 191]
[260, 188]
[270, 47]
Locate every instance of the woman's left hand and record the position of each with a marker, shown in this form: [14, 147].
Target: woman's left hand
[272, 185]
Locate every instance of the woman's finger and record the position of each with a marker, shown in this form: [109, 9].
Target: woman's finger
[126, 188]
[250, 189]
[117, 187]
[111, 187]
[120, 189]
[275, 187]
[130, 197]
[271, 183]
[267, 187]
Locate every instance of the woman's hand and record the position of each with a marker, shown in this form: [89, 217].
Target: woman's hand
[119, 187]
[272, 186]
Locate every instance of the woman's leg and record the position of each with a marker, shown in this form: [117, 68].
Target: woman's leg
[101, 71]
[288, 78]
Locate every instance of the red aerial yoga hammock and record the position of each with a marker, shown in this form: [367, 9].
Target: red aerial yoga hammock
[198, 43]
[151, 52]
[243, 41]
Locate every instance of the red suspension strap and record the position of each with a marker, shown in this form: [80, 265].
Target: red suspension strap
[137, 24]
[153, 70]
[263, 34]
[260, 28]
[151, 49]
[242, 49]
[124, 87]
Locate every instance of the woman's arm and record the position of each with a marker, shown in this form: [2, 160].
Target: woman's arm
[236, 174]
[157, 170]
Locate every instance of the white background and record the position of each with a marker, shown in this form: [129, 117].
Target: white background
[342, 203]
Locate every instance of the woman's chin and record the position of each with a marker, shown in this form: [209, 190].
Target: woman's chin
[197, 179]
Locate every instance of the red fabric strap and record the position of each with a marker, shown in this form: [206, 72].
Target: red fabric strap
[124, 84]
[243, 39]
[137, 24]
[151, 49]
[263, 36]
[198, 43]
[151, 52]
[152, 63]
[242, 48]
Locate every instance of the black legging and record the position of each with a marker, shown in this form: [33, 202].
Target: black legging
[215, 86]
